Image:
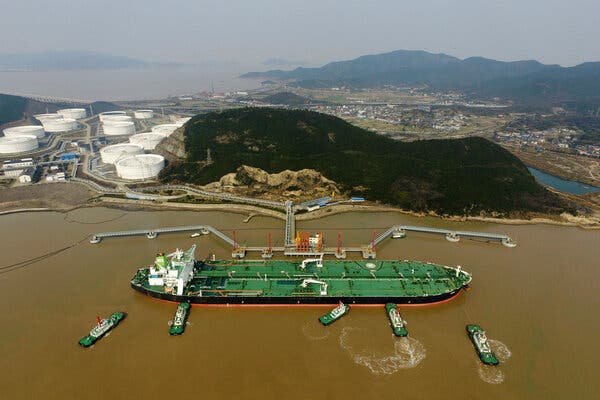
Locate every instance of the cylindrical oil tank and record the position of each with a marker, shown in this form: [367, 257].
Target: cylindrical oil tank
[59, 124]
[108, 114]
[143, 114]
[140, 167]
[18, 144]
[112, 153]
[165, 129]
[43, 117]
[35, 130]
[111, 128]
[74, 113]
[147, 140]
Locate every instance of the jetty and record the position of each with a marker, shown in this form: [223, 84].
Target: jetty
[367, 251]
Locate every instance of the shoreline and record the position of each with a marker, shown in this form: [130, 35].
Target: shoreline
[587, 223]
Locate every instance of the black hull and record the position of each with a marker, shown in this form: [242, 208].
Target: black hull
[225, 300]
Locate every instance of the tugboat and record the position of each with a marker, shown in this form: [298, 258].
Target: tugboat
[477, 335]
[396, 321]
[181, 316]
[335, 314]
[102, 328]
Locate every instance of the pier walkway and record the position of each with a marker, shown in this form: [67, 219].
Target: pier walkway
[152, 233]
[398, 231]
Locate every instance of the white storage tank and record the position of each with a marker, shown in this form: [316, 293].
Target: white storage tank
[117, 118]
[165, 129]
[143, 114]
[108, 114]
[35, 130]
[73, 113]
[44, 117]
[113, 128]
[112, 153]
[139, 167]
[59, 124]
[18, 144]
[147, 140]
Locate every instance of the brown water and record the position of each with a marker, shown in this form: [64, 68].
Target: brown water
[539, 303]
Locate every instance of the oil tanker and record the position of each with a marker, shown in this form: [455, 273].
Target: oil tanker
[179, 277]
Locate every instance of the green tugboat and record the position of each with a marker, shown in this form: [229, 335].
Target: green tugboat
[103, 326]
[335, 314]
[477, 335]
[180, 318]
[396, 321]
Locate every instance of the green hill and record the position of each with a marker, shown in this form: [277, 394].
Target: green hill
[465, 176]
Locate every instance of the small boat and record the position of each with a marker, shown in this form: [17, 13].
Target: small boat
[195, 234]
[477, 336]
[396, 321]
[452, 237]
[335, 314]
[102, 328]
[180, 318]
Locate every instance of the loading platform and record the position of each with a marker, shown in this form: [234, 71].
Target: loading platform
[367, 251]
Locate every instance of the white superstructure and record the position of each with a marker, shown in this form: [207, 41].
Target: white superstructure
[143, 114]
[18, 144]
[59, 124]
[147, 140]
[165, 129]
[73, 113]
[108, 114]
[138, 167]
[113, 128]
[34, 130]
[110, 154]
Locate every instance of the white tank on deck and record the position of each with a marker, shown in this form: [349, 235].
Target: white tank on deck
[113, 128]
[18, 144]
[147, 140]
[139, 167]
[112, 153]
[165, 129]
[143, 114]
[108, 114]
[74, 113]
[35, 130]
[59, 124]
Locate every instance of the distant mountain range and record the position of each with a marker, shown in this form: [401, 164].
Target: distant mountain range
[524, 82]
[69, 60]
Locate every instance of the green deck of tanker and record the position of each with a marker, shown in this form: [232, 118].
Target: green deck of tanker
[282, 279]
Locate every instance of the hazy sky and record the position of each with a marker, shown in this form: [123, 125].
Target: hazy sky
[563, 32]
